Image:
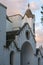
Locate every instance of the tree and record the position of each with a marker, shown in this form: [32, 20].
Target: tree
[42, 15]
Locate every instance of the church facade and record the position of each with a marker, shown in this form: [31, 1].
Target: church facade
[17, 39]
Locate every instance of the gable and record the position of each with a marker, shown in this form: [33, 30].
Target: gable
[21, 37]
[26, 25]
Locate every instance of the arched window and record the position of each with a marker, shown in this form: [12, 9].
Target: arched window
[27, 34]
[11, 57]
[38, 61]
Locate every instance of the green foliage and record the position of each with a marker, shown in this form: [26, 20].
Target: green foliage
[42, 15]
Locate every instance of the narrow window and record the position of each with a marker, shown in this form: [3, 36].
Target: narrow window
[27, 34]
[11, 57]
[34, 27]
[38, 61]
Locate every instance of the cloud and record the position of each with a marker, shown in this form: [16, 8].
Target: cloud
[16, 5]
[41, 1]
[39, 34]
[20, 5]
[34, 6]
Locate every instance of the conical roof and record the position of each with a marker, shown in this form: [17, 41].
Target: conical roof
[29, 14]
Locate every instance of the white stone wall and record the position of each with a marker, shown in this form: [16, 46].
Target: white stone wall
[21, 38]
[41, 61]
[17, 21]
[5, 25]
[2, 32]
[30, 21]
[8, 26]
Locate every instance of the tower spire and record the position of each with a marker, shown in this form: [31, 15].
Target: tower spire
[28, 12]
[28, 5]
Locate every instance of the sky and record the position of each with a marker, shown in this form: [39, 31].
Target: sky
[20, 6]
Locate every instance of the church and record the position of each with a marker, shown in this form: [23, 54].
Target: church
[17, 39]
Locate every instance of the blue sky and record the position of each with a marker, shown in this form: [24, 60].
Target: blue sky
[20, 6]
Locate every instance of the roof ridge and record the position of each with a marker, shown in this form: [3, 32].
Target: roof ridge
[16, 15]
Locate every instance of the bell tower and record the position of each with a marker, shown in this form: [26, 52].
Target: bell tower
[30, 19]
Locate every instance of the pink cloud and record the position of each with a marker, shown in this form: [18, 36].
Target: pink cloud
[39, 35]
[34, 6]
[15, 6]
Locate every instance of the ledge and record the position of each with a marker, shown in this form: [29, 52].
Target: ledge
[3, 5]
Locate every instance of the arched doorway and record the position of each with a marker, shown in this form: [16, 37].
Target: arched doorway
[27, 54]
[12, 58]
